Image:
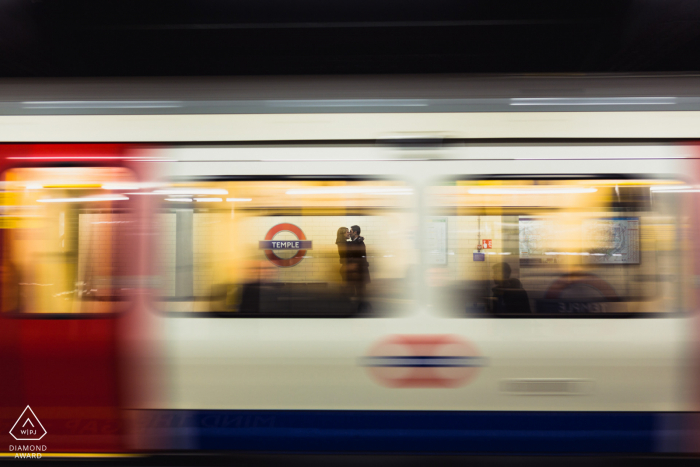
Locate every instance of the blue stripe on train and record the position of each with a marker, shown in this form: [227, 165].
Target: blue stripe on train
[413, 431]
[423, 361]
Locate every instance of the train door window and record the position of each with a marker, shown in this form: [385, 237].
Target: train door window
[66, 240]
[584, 247]
[278, 248]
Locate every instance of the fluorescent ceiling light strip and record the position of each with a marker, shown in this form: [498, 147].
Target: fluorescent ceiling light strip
[208, 200]
[61, 184]
[183, 200]
[191, 191]
[350, 190]
[530, 191]
[83, 200]
[593, 101]
[238, 199]
[101, 104]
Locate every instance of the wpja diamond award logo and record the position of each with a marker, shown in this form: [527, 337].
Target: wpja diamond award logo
[28, 428]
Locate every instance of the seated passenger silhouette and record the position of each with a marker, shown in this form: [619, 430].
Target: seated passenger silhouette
[261, 275]
[509, 295]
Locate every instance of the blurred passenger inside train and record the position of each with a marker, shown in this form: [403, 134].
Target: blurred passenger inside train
[341, 241]
[261, 275]
[508, 293]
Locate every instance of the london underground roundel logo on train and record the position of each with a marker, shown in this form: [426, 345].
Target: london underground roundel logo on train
[273, 243]
[424, 361]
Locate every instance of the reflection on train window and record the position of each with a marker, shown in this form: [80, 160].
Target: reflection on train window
[66, 237]
[278, 248]
[557, 247]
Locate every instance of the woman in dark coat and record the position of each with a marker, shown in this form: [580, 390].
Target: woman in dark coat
[341, 240]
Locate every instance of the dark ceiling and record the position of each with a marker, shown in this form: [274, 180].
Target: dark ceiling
[243, 37]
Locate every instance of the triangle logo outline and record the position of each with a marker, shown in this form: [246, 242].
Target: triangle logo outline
[37, 420]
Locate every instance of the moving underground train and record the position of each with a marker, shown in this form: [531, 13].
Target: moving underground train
[387, 265]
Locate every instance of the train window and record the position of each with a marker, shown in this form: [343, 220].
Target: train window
[584, 247]
[278, 248]
[65, 238]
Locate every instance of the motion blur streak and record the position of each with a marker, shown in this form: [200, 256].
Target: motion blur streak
[433, 292]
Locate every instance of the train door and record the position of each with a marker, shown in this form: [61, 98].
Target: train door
[68, 252]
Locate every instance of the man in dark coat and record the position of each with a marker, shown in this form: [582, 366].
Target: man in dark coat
[358, 267]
